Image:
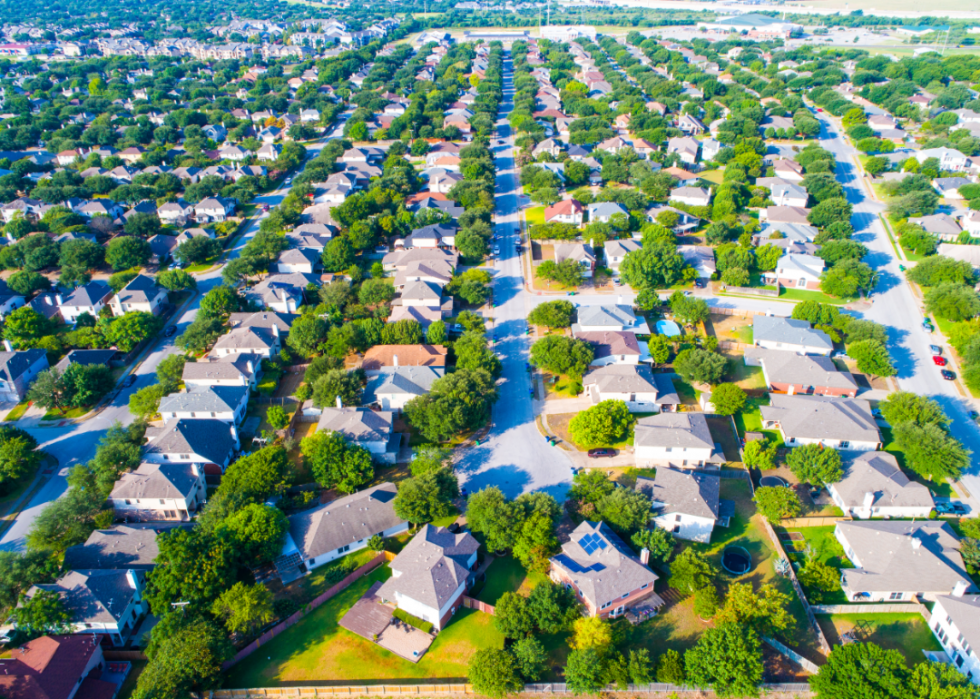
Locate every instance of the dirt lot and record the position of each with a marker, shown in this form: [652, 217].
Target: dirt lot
[730, 328]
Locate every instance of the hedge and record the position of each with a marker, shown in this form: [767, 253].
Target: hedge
[413, 620]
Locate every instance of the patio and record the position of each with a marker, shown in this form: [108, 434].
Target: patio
[372, 620]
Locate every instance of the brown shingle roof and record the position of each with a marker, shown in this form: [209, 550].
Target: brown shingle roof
[408, 355]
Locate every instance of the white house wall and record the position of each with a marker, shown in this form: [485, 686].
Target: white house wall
[686, 526]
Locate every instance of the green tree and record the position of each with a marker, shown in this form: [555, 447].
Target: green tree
[192, 566]
[26, 283]
[937, 269]
[774, 503]
[764, 611]
[126, 252]
[184, 662]
[728, 660]
[455, 403]
[41, 614]
[276, 417]
[553, 314]
[244, 608]
[258, 532]
[846, 278]
[337, 383]
[176, 280]
[559, 354]
[24, 327]
[535, 543]
[653, 267]
[759, 454]
[930, 451]
[952, 301]
[50, 391]
[585, 671]
[497, 519]
[602, 425]
[198, 250]
[494, 673]
[18, 456]
[512, 617]
[657, 541]
[170, 371]
[625, 510]
[307, 333]
[428, 497]
[688, 309]
[728, 398]
[670, 668]
[375, 291]
[531, 658]
[691, 571]
[859, 670]
[829, 211]
[336, 464]
[872, 358]
[819, 579]
[436, 333]
[815, 464]
[145, 403]
[220, 301]
[130, 329]
[940, 681]
[902, 406]
[553, 607]
[700, 366]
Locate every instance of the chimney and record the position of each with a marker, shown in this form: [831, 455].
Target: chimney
[960, 588]
[869, 499]
[340, 403]
[645, 556]
[916, 543]
[275, 330]
[234, 433]
[6, 346]
[133, 580]
[57, 297]
[251, 366]
[619, 300]
[394, 359]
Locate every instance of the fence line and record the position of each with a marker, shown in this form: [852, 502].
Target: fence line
[804, 522]
[289, 621]
[715, 311]
[737, 346]
[905, 608]
[123, 655]
[476, 604]
[803, 662]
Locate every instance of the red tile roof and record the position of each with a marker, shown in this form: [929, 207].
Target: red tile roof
[47, 668]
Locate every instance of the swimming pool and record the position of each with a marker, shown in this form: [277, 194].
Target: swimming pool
[668, 328]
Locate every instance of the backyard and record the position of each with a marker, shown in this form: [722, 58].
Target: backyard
[317, 647]
[750, 420]
[906, 633]
[824, 547]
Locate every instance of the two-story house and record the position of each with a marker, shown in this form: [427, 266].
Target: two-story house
[159, 492]
[141, 294]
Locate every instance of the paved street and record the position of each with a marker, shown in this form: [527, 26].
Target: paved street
[516, 458]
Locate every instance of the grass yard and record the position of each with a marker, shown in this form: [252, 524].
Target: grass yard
[805, 295]
[540, 284]
[747, 377]
[678, 628]
[563, 387]
[317, 648]
[18, 412]
[826, 549]
[685, 391]
[907, 633]
[712, 176]
[750, 420]
[534, 215]
[55, 414]
[506, 574]
[269, 382]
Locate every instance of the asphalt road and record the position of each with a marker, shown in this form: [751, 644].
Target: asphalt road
[516, 458]
[76, 443]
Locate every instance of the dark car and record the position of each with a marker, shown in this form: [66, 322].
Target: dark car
[169, 332]
[948, 375]
[699, 283]
[600, 453]
[129, 381]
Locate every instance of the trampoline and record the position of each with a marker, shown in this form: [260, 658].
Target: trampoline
[773, 482]
[668, 328]
[736, 560]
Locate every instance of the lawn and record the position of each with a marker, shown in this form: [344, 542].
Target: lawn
[18, 412]
[317, 648]
[806, 295]
[750, 420]
[506, 574]
[269, 382]
[55, 414]
[534, 215]
[685, 391]
[748, 377]
[712, 176]
[540, 284]
[563, 387]
[907, 633]
[129, 684]
[826, 549]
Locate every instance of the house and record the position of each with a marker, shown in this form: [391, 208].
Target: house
[685, 147]
[89, 298]
[603, 211]
[393, 387]
[700, 258]
[372, 429]
[603, 572]
[789, 194]
[899, 561]
[691, 196]
[264, 320]
[86, 358]
[106, 602]
[212, 443]
[677, 439]
[617, 317]
[789, 372]
[225, 403]
[875, 486]
[636, 385]
[380, 357]
[777, 332]
[423, 315]
[175, 212]
[159, 492]
[230, 370]
[941, 225]
[56, 667]
[948, 187]
[566, 211]
[612, 347]
[435, 272]
[789, 170]
[580, 253]
[249, 340]
[691, 125]
[436, 235]
[615, 251]
[214, 209]
[686, 504]
[301, 260]
[18, 370]
[948, 158]
[784, 214]
[846, 424]
[140, 294]
[331, 531]
[794, 232]
[430, 575]
[282, 292]
[120, 546]
[422, 294]
[954, 624]
[268, 152]
[796, 272]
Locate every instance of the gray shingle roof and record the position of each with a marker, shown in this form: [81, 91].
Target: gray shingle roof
[688, 430]
[142, 289]
[401, 381]
[210, 438]
[326, 528]
[14, 364]
[421, 291]
[85, 358]
[118, 547]
[88, 294]
[170, 481]
[357, 424]
[683, 491]
[611, 315]
[890, 561]
[230, 367]
[789, 331]
[878, 472]
[432, 567]
[621, 378]
[263, 319]
[216, 399]
[601, 565]
[789, 367]
[965, 615]
[251, 338]
[612, 342]
[93, 596]
[822, 417]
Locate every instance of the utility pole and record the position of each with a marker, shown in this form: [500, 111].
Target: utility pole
[946, 42]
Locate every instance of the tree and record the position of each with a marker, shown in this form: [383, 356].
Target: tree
[553, 314]
[952, 301]
[18, 456]
[930, 451]
[818, 578]
[375, 291]
[759, 454]
[728, 398]
[490, 514]
[69, 519]
[24, 327]
[656, 266]
[338, 255]
[777, 502]
[728, 660]
[670, 668]
[258, 531]
[858, 330]
[585, 671]
[87, 384]
[937, 269]
[531, 658]
[591, 632]
[41, 614]
[846, 278]
[872, 358]
[859, 670]
[337, 383]
[184, 662]
[473, 353]
[765, 612]
[706, 602]
[51, 391]
[567, 272]
[700, 366]
[691, 571]
[170, 371]
[625, 510]
[602, 425]
[940, 681]
[553, 607]
[130, 329]
[26, 283]
[198, 250]
[562, 355]
[657, 541]
[80, 254]
[220, 301]
[535, 543]
[455, 403]
[126, 252]
[688, 309]
[902, 406]
[307, 333]
[424, 498]
[145, 403]
[176, 280]
[335, 463]
[494, 673]
[192, 566]
[512, 617]
[244, 608]
[815, 464]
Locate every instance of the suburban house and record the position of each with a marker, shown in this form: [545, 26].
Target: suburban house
[430, 575]
[796, 272]
[209, 442]
[393, 387]
[603, 572]
[248, 340]
[56, 667]
[230, 370]
[155, 492]
[789, 372]
[423, 315]
[685, 147]
[89, 298]
[845, 424]
[302, 260]
[615, 251]
[677, 439]
[580, 253]
[106, 602]
[121, 546]
[433, 236]
[282, 292]
[636, 385]
[603, 211]
[778, 332]
[141, 294]
[613, 347]
[789, 194]
[378, 358]
[685, 503]
[784, 214]
[433, 272]
[215, 209]
[264, 320]
[793, 232]
[616, 317]
[786, 169]
[700, 258]
[901, 561]
[225, 403]
[566, 211]
[940, 225]
[372, 429]
[18, 370]
[954, 624]
[875, 486]
[331, 531]
[691, 196]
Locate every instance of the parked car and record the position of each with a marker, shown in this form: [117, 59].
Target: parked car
[948, 375]
[936, 350]
[496, 250]
[601, 453]
[456, 328]
[939, 361]
[950, 508]
[699, 283]
[170, 331]
[839, 354]
[129, 381]
[927, 325]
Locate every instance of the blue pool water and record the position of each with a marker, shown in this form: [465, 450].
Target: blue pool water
[668, 328]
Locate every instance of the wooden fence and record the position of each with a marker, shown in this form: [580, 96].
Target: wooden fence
[805, 663]
[803, 522]
[123, 655]
[479, 606]
[286, 623]
[718, 311]
[904, 608]
[734, 346]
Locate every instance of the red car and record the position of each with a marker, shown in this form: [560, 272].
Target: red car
[939, 361]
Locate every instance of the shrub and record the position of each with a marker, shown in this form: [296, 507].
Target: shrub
[420, 624]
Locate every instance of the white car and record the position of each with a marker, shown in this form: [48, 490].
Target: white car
[496, 250]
